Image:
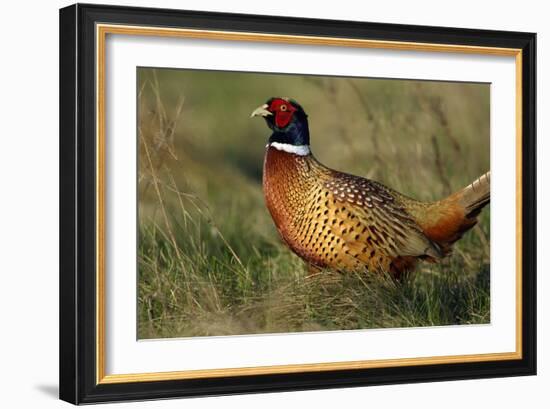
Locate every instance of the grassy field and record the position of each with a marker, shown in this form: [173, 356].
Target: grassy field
[210, 259]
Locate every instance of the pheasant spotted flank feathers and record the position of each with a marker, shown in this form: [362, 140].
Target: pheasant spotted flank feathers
[340, 221]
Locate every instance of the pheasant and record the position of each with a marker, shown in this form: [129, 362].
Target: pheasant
[344, 222]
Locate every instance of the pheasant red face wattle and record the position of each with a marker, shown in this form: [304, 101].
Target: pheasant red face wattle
[283, 112]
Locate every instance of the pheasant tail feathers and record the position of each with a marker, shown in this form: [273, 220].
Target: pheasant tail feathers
[476, 195]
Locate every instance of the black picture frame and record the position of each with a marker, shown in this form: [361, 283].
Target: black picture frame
[78, 360]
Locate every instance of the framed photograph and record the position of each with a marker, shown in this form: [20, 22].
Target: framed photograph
[257, 203]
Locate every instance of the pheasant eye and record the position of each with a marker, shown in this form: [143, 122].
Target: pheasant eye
[283, 108]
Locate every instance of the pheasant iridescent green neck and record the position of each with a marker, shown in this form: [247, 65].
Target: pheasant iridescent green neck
[296, 133]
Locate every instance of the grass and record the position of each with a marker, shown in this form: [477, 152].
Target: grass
[210, 259]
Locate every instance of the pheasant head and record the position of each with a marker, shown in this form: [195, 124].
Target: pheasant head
[288, 121]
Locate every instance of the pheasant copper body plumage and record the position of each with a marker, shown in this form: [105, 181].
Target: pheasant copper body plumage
[344, 222]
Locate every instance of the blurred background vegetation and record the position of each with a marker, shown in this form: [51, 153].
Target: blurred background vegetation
[210, 259]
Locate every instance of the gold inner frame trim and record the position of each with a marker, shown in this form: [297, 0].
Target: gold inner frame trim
[101, 33]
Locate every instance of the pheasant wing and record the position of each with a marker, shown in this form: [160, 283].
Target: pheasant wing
[373, 224]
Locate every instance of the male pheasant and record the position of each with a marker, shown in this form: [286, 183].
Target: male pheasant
[344, 222]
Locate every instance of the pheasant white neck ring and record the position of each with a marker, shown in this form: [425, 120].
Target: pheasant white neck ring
[300, 150]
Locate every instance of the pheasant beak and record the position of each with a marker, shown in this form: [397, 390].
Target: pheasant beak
[261, 111]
